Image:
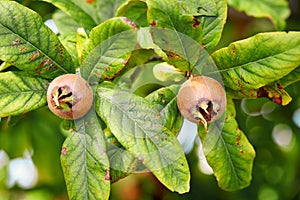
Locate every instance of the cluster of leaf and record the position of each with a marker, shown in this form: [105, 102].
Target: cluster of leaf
[128, 129]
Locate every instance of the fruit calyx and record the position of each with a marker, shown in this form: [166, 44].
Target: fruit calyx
[205, 110]
[63, 98]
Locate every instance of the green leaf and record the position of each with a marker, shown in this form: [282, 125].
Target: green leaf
[82, 40]
[228, 152]
[89, 13]
[29, 44]
[141, 57]
[64, 23]
[139, 79]
[138, 126]
[198, 7]
[165, 99]
[110, 47]
[84, 161]
[21, 93]
[276, 10]
[4, 66]
[74, 9]
[112, 27]
[122, 163]
[166, 72]
[107, 9]
[167, 14]
[291, 78]
[274, 92]
[68, 40]
[259, 60]
[185, 38]
[181, 50]
[206, 30]
[212, 26]
[136, 11]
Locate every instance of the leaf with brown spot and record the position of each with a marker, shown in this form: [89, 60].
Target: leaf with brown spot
[21, 93]
[198, 7]
[109, 49]
[136, 11]
[272, 91]
[29, 44]
[260, 60]
[138, 126]
[84, 160]
[276, 94]
[229, 152]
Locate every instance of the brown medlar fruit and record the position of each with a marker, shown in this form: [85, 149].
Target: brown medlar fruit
[201, 99]
[69, 96]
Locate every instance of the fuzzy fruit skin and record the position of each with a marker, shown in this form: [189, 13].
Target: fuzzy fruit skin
[198, 91]
[69, 96]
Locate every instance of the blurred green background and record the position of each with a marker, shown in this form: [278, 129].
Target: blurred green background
[273, 130]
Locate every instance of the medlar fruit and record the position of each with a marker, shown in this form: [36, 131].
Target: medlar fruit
[201, 99]
[69, 96]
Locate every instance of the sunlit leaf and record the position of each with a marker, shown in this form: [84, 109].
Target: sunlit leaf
[198, 7]
[276, 10]
[138, 126]
[64, 23]
[110, 47]
[259, 60]
[206, 30]
[166, 72]
[212, 26]
[122, 163]
[84, 161]
[181, 50]
[167, 14]
[76, 11]
[188, 46]
[274, 92]
[29, 44]
[112, 27]
[4, 66]
[229, 152]
[82, 41]
[107, 8]
[69, 42]
[21, 93]
[136, 11]
[165, 100]
[290, 78]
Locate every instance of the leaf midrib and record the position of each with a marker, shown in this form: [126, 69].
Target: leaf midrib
[245, 65]
[35, 47]
[229, 156]
[174, 28]
[146, 135]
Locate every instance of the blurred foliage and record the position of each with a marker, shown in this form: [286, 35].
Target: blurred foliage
[38, 132]
[276, 169]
